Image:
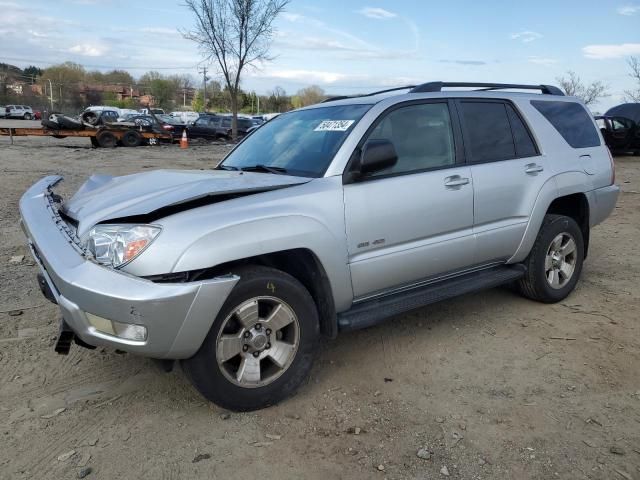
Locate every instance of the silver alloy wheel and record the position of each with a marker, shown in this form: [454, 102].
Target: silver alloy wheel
[257, 342]
[560, 261]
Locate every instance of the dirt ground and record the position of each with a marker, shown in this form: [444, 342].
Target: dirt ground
[493, 386]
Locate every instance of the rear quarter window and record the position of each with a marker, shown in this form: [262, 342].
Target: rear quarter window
[571, 120]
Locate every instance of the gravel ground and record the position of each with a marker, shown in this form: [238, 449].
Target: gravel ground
[488, 385]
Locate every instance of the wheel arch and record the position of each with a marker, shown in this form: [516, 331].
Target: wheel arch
[576, 206]
[572, 203]
[302, 264]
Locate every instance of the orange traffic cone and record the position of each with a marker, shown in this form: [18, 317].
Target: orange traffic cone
[184, 141]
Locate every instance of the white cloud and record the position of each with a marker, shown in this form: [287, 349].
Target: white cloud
[600, 52]
[160, 30]
[526, 36]
[377, 13]
[542, 60]
[291, 17]
[311, 76]
[88, 50]
[628, 10]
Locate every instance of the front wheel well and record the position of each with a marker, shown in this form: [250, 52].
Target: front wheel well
[575, 206]
[302, 264]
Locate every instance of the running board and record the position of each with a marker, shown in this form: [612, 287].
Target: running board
[374, 311]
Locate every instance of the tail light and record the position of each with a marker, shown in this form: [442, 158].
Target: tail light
[613, 167]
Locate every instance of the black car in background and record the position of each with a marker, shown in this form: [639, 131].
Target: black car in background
[621, 134]
[157, 123]
[216, 127]
[620, 127]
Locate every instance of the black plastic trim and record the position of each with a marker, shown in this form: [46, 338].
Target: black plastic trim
[375, 311]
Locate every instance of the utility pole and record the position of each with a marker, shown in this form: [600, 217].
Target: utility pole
[204, 86]
[51, 92]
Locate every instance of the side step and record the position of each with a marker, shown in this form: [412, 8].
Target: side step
[374, 311]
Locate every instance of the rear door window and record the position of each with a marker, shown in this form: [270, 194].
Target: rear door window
[525, 146]
[487, 132]
[571, 120]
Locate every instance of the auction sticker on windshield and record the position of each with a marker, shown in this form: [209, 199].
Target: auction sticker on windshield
[334, 126]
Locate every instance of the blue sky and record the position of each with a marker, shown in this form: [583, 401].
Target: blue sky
[347, 46]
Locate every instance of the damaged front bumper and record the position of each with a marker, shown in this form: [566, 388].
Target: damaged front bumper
[175, 317]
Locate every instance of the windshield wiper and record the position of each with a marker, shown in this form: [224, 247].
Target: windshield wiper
[227, 167]
[264, 168]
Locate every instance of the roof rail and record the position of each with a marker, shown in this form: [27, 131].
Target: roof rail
[437, 87]
[343, 97]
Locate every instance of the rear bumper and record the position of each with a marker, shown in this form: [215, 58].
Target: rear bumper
[602, 201]
[177, 316]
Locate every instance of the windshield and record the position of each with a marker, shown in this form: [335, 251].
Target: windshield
[299, 143]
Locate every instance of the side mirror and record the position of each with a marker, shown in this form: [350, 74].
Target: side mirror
[377, 155]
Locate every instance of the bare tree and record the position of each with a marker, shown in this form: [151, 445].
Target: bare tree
[234, 34]
[589, 94]
[633, 95]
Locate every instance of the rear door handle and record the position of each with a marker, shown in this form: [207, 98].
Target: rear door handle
[455, 181]
[533, 168]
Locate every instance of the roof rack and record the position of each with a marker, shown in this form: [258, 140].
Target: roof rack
[437, 87]
[379, 92]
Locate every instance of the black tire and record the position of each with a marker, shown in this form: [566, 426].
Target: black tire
[131, 138]
[534, 284]
[94, 142]
[203, 369]
[27, 116]
[106, 139]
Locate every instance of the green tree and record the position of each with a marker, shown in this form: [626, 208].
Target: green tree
[65, 80]
[197, 103]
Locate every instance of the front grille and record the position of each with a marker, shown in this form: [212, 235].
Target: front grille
[68, 229]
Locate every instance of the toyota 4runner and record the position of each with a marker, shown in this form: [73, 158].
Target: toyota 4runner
[329, 218]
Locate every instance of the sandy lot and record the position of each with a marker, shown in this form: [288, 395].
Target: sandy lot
[492, 385]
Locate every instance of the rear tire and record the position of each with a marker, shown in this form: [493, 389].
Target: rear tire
[255, 371]
[106, 139]
[27, 116]
[555, 261]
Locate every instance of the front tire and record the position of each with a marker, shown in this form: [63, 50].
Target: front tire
[555, 262]
[261, 345]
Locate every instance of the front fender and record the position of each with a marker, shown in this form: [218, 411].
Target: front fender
[270, 235]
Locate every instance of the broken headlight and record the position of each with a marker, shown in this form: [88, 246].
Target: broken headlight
[117, 245]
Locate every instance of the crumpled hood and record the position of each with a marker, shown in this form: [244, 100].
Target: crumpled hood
[104, 197]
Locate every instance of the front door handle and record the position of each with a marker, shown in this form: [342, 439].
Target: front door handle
[455, 181]
[533, 168]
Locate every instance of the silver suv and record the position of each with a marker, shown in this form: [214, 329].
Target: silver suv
[18, 111]
[330, 218]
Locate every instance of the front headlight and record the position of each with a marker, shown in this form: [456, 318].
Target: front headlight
[116, 245]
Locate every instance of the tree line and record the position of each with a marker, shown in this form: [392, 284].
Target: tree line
[73, 88]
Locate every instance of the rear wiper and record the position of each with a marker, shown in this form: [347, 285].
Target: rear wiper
[264, 168]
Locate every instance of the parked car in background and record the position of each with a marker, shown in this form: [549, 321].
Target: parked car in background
[186, 117]
[18, 111]
[3, 111]
[204, 127]
[156, 123]
[218, 127]
[155, 111]
[621, 134]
